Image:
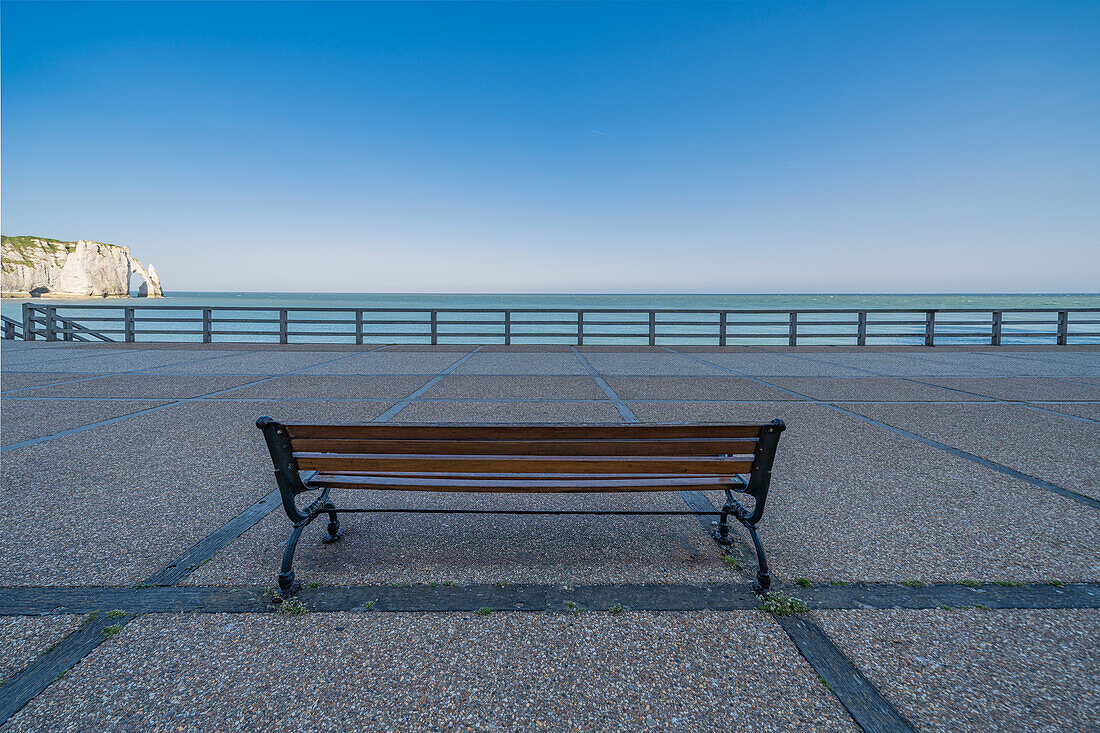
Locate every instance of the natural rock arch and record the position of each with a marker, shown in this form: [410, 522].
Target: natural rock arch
[150, 282]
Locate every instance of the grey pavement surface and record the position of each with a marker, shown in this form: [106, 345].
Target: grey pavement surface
[973, 669]
[24, 638]
[517, 671]
[107, 497]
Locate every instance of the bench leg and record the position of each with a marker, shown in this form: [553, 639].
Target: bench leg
[334, 530]
[722, 533]
[288, 584]
[723, 537]
[763, 577]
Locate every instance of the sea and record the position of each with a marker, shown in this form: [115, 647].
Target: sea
[636, 324]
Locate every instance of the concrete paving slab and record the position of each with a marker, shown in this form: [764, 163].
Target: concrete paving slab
[117, 361]
[1089, 356]
[19, 380]
[665, 364]
[1061, 450]
[1023, 389]
[25, 419]
[694, 388]
[258, 363]
[315, 386]
[1080, 409]
[116, 503]
[853, 502]
[870, 389]
[140, 386]
[438, 348]
[547, 363]
[890, 364]
[995, 364]
[528, 348]
[507, 671]
[760, 364]
[533, 411]
[1053, 362]
[978, 670]
[63, 360]
[387, 362]
[24, 638]
[516, 387]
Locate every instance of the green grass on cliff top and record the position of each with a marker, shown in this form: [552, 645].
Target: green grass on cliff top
[20, 250]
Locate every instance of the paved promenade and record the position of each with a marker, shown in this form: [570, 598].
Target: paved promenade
[938, 510]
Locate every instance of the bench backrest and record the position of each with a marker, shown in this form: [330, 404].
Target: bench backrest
[535, 451]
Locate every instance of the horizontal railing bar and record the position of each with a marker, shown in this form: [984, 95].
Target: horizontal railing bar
[384, 322]
[573, 334]
[164, 331]
[965, 334]
[299, 309]
[161, 320]
[321, 321]
[240, 320]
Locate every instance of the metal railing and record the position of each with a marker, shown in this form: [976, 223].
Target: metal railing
[549, 325]
[12, 329]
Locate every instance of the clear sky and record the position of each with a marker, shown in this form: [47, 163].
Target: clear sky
[572, 147]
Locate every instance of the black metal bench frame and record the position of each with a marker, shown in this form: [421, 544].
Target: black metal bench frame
[292, 482]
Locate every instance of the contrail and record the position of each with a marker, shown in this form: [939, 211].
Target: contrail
[600, 132]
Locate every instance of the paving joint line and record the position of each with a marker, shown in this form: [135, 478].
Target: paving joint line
[914, 380]
[44, 671]
[166, 405]
[624, 409]
[867, 706]
[527, 597]
[94, 375]
[392, 412]
[987, 463]
[129, 371]
[695, 500]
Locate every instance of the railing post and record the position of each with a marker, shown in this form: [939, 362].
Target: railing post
[284, 326]
[930, 328]
[28, 322]
[358, 327]
[507, 328]
[861, 328]
[51, 335]
[435, 327]
[580, 328]
[128, 324]
[722, 328]
[995, 335]
[792, 329]
[653, 328]
[1063, 328]
[207, 325]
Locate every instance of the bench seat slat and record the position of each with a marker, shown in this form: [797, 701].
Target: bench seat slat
[497, 483]
[337, 462]
[499, 431]
[612, 447]
[313, 479]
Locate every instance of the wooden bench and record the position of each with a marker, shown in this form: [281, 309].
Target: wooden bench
[736, 458]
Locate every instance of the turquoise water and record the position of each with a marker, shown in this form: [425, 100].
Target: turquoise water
[633, 323]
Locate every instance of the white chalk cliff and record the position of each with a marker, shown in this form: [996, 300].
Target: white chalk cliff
[38, 266]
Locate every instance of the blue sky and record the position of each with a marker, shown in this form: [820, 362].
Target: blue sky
[572, 147]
